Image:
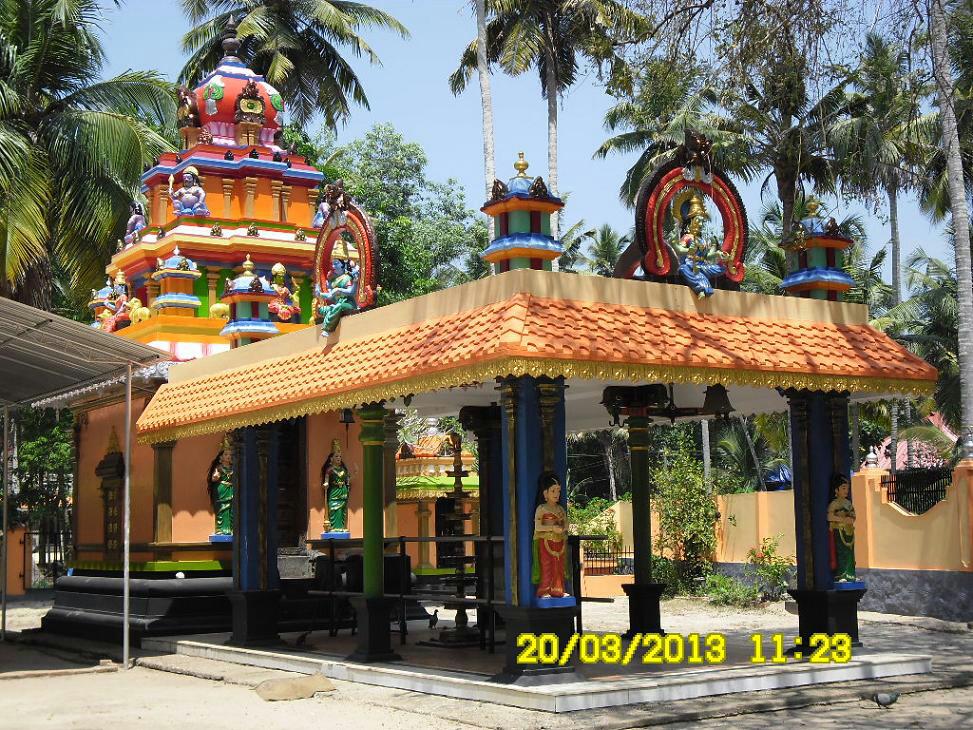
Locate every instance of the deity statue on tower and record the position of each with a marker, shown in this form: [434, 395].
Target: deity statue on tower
[841, 526]
[549, 566]
[136, 222]
[190, 199]
[700, 260]
[339, 298]
[221, 488]
[285, 306]
[334, 200]
[336, 483]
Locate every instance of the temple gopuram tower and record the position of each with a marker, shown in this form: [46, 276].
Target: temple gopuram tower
[232, 194]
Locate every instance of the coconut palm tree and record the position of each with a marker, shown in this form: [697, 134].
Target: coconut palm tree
[486, 101]
[945, 99]
[552, 37]
[296, 44]
[668, 101]
[572, 241]
[604, 249]
[72, 149]
[880, 137]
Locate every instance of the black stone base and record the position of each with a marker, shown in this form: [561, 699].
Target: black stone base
[522, 620]
[255, 615]
[644, 614]
[90, 607]
[827, 612]
[374, 630]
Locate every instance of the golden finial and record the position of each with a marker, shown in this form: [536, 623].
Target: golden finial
[248, 265]
[697, 209]
[521, 165]
[813, 206]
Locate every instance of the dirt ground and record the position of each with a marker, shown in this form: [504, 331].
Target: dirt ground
[147, 698]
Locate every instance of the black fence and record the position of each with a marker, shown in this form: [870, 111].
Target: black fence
[609, 562]
[918, 490]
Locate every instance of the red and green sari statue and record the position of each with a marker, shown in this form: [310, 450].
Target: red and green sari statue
[550, 563]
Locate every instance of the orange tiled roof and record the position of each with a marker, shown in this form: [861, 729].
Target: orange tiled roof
[527, 334]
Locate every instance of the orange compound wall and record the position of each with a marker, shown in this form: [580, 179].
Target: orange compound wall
[96, 427]
[192, 512]
[321, 430]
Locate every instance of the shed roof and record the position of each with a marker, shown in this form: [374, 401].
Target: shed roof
[538, 323]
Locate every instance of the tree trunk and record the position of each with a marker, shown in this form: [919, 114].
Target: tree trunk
[856, 437]
[550, 83]
[607, 441]
[957, 199]
[753, 454]
[893, 195]
[486, 104]
[894, 435]
[786, 191]
[704, 425]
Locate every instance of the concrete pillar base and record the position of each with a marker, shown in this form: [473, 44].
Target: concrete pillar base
[827, 612]
[644, 613]
[522, 620]
[374, 630]
[254, 617]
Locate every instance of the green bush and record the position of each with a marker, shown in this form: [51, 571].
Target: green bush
[664, 571]
[687, 513]
[726, 591]
[768, 569]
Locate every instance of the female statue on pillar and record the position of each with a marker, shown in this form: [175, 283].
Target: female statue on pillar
[841, 524]
[550, 563]
[221, 488]
[337, 485]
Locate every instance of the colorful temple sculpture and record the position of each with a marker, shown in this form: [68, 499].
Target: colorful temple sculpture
[815, 258]
[264, 481]
[521, 210]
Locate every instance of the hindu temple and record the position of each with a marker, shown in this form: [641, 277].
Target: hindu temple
[264, 482]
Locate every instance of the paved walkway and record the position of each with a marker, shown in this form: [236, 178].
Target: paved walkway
[219, 695]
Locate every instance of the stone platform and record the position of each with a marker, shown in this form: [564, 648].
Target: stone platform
[471, 674]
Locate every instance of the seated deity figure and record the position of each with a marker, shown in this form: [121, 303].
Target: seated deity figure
[221, 489]
[136, 222]
[190, 199]
[549, 564]
[700, 260]
[841, 531]
[339, 299]
[285, 306]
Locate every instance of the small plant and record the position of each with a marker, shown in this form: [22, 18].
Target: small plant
[768, 569]
[726, 591]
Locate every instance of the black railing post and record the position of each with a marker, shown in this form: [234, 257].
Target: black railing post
[403, 588]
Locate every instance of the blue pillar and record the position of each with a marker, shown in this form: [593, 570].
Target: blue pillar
[533, 441]
[254, 598]
[821, 450]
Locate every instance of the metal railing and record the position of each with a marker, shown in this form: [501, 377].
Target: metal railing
[613, 561]
[489, 550]
[918, 490]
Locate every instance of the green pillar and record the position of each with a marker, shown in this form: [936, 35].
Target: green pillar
[372, 437]
[638, 444]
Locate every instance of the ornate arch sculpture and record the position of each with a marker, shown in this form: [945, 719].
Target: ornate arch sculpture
[344, 215]
[689, 171]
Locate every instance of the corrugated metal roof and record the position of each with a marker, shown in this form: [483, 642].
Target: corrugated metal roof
[43, 354]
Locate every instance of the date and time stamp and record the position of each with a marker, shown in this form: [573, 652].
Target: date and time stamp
[657, 649]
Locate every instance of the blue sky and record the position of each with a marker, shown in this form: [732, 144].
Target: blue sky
[411, 91]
